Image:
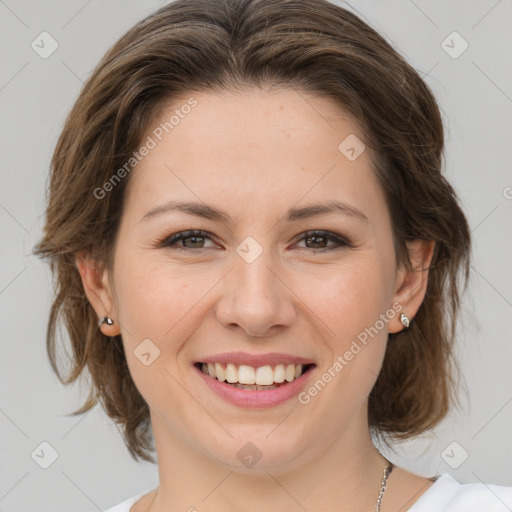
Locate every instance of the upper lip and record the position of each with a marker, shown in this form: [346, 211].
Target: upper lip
[256, 360]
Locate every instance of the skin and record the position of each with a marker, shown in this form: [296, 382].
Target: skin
[255, 155]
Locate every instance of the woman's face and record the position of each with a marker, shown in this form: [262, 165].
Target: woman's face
[254, 289]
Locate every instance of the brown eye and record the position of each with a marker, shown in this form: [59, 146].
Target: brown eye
[191, 240]
[319, 240]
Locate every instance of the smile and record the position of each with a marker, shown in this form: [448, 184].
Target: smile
[259, 378]
[254, 386]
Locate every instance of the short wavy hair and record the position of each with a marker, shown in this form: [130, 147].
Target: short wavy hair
[214, 45]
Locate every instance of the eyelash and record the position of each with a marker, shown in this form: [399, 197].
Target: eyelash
[171, 241]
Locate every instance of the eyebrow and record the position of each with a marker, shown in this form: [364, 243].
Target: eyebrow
[214, 214]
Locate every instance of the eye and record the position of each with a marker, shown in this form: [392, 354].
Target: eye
[194, 236]
[322, 237]
[195, 239]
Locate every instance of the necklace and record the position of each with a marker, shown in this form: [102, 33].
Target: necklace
[387, 471]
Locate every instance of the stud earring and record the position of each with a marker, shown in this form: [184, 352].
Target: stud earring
[405, 320]
[106, 320]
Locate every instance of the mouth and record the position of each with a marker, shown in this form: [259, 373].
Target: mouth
[261, 378]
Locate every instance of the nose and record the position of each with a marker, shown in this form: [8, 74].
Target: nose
[256, 298]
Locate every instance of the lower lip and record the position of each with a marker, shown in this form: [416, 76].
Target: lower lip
[255, 398]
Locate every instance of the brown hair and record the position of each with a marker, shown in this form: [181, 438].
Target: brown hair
[208, 45]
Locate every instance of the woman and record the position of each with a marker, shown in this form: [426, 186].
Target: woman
[256, 259]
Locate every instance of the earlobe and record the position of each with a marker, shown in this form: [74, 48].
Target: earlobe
[411, 285]
[98, 293]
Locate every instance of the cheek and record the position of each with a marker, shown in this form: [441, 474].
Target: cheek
[153, 299]
[350, 303]
[148, 296]
[152, 306]
[166, 304]
[348, 299]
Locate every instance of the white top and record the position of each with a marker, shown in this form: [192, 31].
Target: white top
[444, 495]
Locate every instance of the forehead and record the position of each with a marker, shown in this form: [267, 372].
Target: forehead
[260, 147]
[256, 115]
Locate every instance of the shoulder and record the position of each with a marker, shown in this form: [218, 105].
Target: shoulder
[448, 495]
[126, 505]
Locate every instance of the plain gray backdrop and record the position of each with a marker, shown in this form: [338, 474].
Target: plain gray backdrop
[92, 469]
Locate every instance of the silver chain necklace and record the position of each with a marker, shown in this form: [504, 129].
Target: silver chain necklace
[387, 471]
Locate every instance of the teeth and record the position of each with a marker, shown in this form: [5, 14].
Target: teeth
[221, 373]
[211, 370]
[264, 376]
[254, 387]
[231, 373]
[248, 377]
[279, 373]
[289, 373]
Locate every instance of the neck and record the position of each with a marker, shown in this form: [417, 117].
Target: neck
[345, 476]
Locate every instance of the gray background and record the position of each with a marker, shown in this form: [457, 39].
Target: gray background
[93, 469]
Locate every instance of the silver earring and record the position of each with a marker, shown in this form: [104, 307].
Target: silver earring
[106, 320]
[405, 320]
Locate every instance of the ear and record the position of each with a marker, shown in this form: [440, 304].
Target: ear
[98, 291]
[411, 286]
